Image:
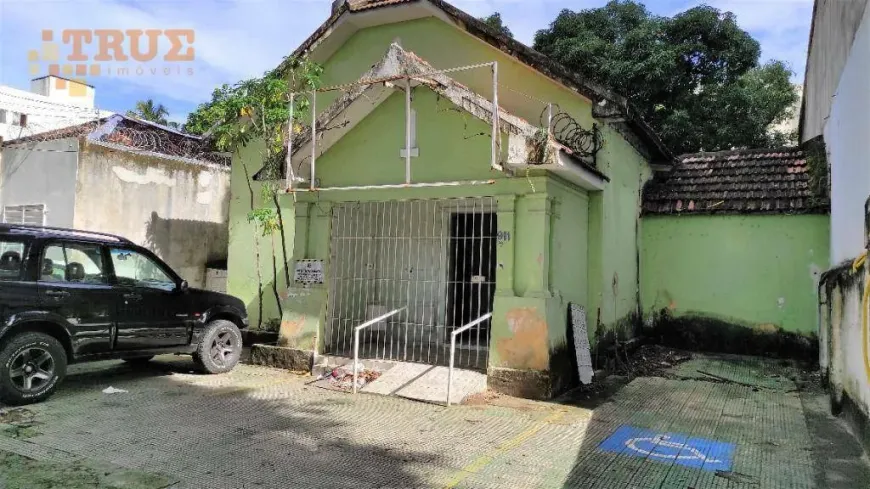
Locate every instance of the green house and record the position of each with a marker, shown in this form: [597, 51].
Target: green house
[502, 215]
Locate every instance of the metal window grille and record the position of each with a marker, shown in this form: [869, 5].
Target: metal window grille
[33, 214]
[436, 258]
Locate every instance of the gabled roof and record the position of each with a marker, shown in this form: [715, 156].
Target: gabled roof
[607, 104]
[527, 144]
[755, 181]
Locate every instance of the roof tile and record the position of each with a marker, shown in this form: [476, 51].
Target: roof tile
[742, 181]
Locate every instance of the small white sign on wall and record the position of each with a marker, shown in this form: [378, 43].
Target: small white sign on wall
[308, 272]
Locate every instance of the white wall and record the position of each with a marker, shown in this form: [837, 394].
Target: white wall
[43, 113]
[177, 209]
[847, 135]
[41, 173]
[835, 25]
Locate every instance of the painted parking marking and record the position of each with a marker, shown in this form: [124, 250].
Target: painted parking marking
[700, 453]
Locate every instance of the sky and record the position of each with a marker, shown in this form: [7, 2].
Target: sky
[239, 39]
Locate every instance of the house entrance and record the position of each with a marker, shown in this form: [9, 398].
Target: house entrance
[471, 289]
[433, 260]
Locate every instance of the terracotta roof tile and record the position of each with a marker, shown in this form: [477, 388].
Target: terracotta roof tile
[737, 182]
[357, 5]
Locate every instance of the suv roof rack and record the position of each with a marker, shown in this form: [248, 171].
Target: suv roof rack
[120, 239]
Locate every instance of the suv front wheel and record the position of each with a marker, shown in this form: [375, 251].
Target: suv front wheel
[220, 347]
[32, 365]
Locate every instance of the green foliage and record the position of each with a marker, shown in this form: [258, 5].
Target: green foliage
[496, 23]
[694, 77]
[257, 109]
[265, 219]
[152, 112]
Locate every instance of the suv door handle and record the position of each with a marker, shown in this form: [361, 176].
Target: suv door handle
[133, 297]
[57, 293]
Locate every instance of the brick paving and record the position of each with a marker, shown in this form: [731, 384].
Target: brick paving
[264, 428]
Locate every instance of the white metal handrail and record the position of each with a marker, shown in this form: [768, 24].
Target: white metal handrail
[453, 336]
[356, 340]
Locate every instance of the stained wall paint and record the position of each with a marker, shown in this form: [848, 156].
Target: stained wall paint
[845, 342]
[156, 203]
[566, 246]
[613, 214]
[752, 270]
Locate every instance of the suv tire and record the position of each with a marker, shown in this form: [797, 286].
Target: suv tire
[220, 347]
[32, 365]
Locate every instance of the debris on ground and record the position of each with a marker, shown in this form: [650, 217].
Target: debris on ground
[112, 390]
[18, 423]
[491, 398]
[341, 378]
[652, 361]
[16, 415]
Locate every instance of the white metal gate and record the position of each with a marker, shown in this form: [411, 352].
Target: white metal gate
[435, 259]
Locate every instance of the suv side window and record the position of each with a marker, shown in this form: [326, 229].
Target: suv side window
[73, 263]
[12, 255]
[133, 269]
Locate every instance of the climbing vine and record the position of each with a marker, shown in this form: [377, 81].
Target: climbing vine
[259, 110]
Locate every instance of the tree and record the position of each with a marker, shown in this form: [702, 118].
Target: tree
[695, 77]
[259, 109]
[496, 23]
[149, 111]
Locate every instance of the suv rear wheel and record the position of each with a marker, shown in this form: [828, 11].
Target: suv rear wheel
[32, 365]
[220, 347]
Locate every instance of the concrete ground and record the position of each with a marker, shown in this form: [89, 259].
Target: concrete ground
[723, 422]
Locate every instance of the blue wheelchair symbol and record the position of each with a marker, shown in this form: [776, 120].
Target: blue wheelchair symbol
[674, 448]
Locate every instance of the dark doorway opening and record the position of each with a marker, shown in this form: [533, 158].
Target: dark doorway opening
[471, 275]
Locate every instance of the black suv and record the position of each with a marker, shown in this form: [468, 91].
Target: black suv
[73, 296]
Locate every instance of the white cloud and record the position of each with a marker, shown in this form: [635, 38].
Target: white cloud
[238, 39]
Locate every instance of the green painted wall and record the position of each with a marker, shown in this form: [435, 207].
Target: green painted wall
[569, 249]
[453, 145]
[751, 270]
[242, 279]
[565, 246]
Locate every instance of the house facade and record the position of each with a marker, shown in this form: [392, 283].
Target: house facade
[123, 176]
[463, 222]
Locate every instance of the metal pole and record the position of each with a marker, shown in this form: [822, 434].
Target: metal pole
[450, 372]
[355, 358]
[408, 130]
[495, 117]
[288, 171]
[549, 118]
[313, 136]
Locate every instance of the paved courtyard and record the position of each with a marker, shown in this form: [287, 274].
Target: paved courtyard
[723, 422]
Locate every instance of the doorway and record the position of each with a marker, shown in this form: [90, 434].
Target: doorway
[471, 274]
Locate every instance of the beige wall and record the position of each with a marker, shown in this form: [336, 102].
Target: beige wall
[834, 26]
[177, 209]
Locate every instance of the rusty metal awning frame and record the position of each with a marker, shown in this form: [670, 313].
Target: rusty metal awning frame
[408, 78]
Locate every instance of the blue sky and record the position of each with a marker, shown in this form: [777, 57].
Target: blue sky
[237, 39]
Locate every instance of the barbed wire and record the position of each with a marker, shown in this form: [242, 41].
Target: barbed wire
[566, 130]
[131, 136]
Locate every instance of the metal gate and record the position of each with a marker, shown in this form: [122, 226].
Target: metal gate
[433, 259]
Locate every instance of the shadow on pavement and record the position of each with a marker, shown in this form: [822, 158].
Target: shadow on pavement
[713, 421]
[218, 431]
